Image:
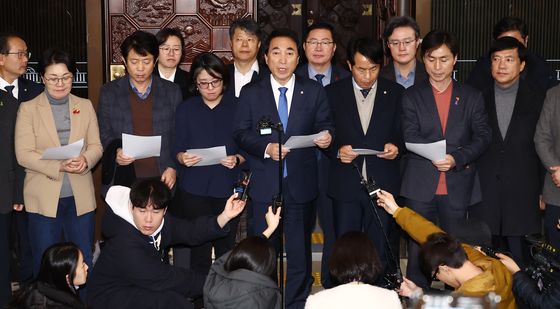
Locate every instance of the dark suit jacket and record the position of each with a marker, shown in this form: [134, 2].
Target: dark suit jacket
[467, 134]
[337, 72]
[264, 72]
[537, 72]
[130, 273]
[384, 127]
[183, 79]
[309, 114]
[28, 90]
[115, 117]
[420, 74]
[511, 173]
[11, 188]
[12, 174]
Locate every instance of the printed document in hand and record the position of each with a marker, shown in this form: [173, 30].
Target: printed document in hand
[210, 156]
[302, 141]
[140, 147]
[432, 151]
[64, 152]
[366, 152]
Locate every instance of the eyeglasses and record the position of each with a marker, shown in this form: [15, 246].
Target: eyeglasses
[314, 43]
[21, 54]
[167, 49]
[204, 85]
[405, 43]
[66, 79]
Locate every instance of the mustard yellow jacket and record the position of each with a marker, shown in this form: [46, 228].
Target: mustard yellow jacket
[495, 276]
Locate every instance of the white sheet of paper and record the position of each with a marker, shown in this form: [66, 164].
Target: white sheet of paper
[302, 141]
[210, 156]
[432, 151]
[64, 152]
[140, 147]
[366, 152]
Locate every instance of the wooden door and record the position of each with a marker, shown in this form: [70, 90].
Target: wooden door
[204, 24]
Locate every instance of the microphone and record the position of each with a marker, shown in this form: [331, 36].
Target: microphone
[265, 126]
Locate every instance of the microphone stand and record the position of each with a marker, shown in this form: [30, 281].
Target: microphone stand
[371, 190]
[279, 202]
[266, 126]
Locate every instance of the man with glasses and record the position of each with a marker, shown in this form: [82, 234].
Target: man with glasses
[245, 40]
[402, 38]
[14, 57]
[171, 45]
[366, 111]
[443, 257]
[319, 46]
[138, 103]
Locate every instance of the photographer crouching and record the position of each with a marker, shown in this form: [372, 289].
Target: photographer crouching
[538, 286]
[442, 256]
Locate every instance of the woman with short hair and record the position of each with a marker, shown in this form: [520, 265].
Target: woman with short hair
[58, 193]
[354, 267]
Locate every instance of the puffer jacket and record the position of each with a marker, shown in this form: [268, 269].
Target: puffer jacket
[239, 289]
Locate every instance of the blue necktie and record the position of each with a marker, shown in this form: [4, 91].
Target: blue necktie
[283, 113]
[319, 78]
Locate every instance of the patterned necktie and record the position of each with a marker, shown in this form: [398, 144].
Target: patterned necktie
[155, 240]
[319, 78]
[283, 113]
[365, 92]
[10, 90]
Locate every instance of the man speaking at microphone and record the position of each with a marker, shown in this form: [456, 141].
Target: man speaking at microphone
[301, 106]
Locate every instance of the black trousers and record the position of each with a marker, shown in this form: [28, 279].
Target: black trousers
[190, 206]
[5, 254]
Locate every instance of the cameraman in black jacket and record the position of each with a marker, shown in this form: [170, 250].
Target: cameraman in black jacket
[526, 289]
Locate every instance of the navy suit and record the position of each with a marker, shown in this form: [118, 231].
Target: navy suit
[28, 90]
[467, 135]
[420, 74]
[115, 117]
[309, 114]
[337, 73]
[130, 273]
[351, 204]
[323, 203]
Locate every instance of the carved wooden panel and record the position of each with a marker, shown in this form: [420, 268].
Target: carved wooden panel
[204, 24]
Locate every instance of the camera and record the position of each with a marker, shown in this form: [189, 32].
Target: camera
[545, 265]
[241, 189]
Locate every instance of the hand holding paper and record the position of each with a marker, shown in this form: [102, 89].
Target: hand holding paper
[347, 154]
[66, 152]
[209, 156]
[323, 140]
[140, 147]
[431, 151]
[304, 141]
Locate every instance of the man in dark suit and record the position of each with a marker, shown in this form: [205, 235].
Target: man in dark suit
[366, 112]
[511, 174]
[319, 46]
[536, 71]
[171, 46]
[245, 38]
[140, 103]
[301, 106]
[14, 57]
[131, 271]
[402, 38]
[434, 110]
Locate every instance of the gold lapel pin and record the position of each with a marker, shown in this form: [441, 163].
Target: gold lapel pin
[301, 92]
[384, 92]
